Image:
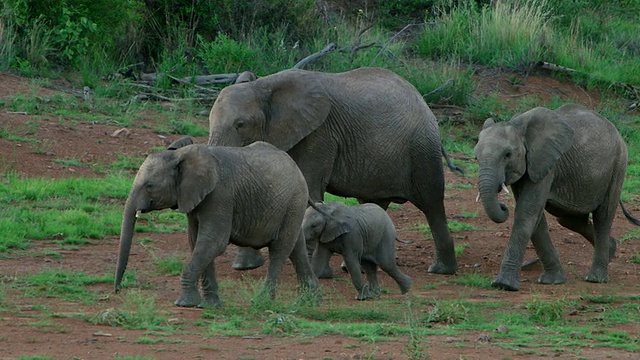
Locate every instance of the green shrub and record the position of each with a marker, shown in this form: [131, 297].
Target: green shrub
[225, 55]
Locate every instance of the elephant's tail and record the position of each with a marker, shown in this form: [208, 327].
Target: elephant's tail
[449, 163]
[628, 215]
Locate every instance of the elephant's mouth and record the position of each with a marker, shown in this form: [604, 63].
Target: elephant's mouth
[501, 188]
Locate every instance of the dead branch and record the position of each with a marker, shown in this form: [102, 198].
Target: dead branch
[199, 79]
[393, 38]
[181, 81]
[148, 96]
[313, 57]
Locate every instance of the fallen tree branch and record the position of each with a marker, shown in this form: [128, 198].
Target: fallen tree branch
[147, 96]
[181, 81]
[199, 79]
[313, 57]
[632, 90]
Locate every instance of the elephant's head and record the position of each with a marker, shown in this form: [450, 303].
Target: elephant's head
[527, 145]
[280, 109]
[326, 222]
[177, 179]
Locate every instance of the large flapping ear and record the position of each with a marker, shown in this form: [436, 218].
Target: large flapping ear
[197, 176]
[182, 142]
[244, 77]
[547, 137]
[297, 104]
[338, 223]
[488, 123]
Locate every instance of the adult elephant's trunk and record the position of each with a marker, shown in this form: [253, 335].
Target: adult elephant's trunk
[126, 236]
[221, 136]
[489, 186]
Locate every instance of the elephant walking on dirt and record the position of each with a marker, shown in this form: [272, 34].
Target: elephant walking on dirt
[251, 196]
[365, 237]
[365, 133]
[570, 162]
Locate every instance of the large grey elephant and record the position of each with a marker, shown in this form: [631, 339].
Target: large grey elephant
[251, 196]
[570, 162]
[363, 235]
[365, 133]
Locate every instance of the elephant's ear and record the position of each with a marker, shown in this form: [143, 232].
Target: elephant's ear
[336, 228]
[488, 123]
[297, 105]
[547, 137]
[197, 176]
[182, 142]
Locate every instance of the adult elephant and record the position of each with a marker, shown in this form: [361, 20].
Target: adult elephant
[570, 162]
[365, 133]
[251, 196]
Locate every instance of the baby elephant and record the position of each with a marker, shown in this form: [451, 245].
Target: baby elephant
[363, 235]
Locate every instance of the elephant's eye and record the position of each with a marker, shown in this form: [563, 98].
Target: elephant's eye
[507, 155]
[239, 124]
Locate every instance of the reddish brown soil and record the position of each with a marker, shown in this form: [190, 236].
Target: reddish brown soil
[71, 337]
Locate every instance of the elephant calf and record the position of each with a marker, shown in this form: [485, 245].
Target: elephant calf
[250, 196]
[570, 162]
[363, 235]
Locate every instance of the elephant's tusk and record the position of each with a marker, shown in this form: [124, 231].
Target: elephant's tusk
[504, 188]
[478, 197]
[138, 213]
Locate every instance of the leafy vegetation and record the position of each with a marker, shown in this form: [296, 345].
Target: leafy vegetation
[442, 51]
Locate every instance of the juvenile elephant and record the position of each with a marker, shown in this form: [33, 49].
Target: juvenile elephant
[365, 133]
[570, 162]
[250, 196]
[363, 235]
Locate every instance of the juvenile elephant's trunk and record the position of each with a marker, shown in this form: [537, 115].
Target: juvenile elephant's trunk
[126, 236]
[488, 186]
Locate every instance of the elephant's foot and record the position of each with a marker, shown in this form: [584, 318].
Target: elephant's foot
[211, 300]
[442, 268]
[553, 277]
[248, 259]
[364, 294]
[325, 273]
[598, 275]
[189, 298]
[509, 282]
[405, 284]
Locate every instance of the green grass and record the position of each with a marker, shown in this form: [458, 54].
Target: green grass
[64, 285]
[71, 211]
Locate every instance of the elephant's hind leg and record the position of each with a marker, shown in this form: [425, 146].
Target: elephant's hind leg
[306, 278]
[602, 222]
[581, 225]
[247, 259]
[403, 280]
[445, 259]
[553, 272]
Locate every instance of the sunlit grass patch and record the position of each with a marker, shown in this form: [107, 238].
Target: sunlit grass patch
[477, 280]
[65, 285]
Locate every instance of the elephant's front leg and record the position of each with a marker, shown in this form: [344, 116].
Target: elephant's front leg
[210, 287]
[553, 272]
[352, 259]
[530, 200]
[201, 264]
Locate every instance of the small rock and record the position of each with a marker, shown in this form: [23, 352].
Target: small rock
[124, 132]
[100, 333]
[173, 321]
[576, 335]
[502, 329]
[484, 338]
[452, 340]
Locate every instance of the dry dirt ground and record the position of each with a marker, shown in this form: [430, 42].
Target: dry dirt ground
[72, 338]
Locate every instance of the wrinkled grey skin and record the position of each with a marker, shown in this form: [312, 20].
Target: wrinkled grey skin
[363, 235]
[365, 133]
[252, 196]
[570, 162]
